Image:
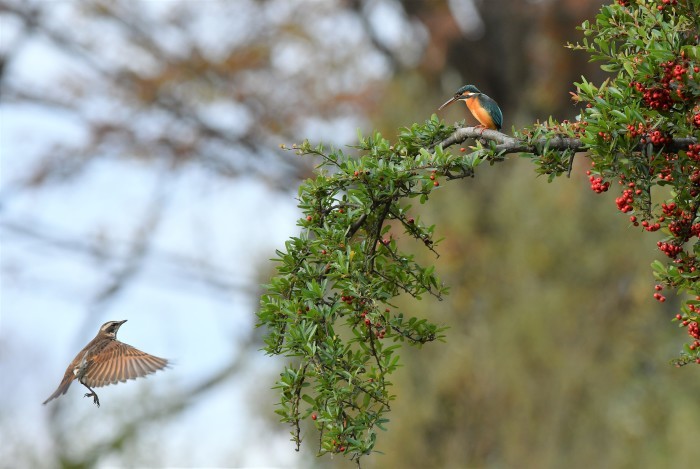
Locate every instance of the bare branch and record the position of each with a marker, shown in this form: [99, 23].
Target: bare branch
[507, 144]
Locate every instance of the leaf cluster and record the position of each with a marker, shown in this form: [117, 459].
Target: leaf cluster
[330, 306]
[641, 127]
[330, 309]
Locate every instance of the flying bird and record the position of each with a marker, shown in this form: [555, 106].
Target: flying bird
[105, 361]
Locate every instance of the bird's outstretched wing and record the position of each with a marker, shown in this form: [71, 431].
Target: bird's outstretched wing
[118, 362]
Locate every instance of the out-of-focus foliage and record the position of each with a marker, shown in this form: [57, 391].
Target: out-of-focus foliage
[218, 84]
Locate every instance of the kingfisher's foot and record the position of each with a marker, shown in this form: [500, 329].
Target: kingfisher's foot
[95, 399]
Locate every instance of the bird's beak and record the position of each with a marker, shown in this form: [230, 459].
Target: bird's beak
[448, 102]
[122, 322]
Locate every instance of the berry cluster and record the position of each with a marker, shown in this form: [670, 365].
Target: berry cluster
[671, 250]
[655, 137]
[636, 130]
[654, 97]
[658, 296]
[597, 184]
[659, 96]
[380, 330]
[666, 95]
[651, 226]
[665, 3]
[695, 177]
[624, 202]
[670, 209]
[682, 226]
[694, 309]
[665, 174]
[364, 313]
[577, 129]
[687, 264]
[434, 179]
[605, 136]
[690, 322]
[693, 151]
[675, 74]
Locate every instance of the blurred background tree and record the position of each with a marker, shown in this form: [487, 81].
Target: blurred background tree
[141, 179]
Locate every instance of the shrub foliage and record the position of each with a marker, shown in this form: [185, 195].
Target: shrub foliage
[331, 306]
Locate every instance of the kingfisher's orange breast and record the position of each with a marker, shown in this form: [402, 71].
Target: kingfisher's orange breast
[480, 113]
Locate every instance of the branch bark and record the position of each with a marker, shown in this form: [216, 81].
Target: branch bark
[507, 144]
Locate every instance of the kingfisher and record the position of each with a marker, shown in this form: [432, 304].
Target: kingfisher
[483, 108]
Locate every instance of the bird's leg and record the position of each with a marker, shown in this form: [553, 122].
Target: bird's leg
[92, 394]
[481, 135]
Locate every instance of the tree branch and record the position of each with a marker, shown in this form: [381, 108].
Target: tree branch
[507, 144]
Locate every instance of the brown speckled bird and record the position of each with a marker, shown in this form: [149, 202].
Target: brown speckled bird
[105, 361]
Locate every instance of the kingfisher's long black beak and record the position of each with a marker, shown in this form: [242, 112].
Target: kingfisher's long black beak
[450, 101]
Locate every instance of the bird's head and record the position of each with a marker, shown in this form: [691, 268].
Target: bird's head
[465, 92]
[110, 328]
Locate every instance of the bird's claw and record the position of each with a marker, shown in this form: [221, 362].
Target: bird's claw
[95, 399]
